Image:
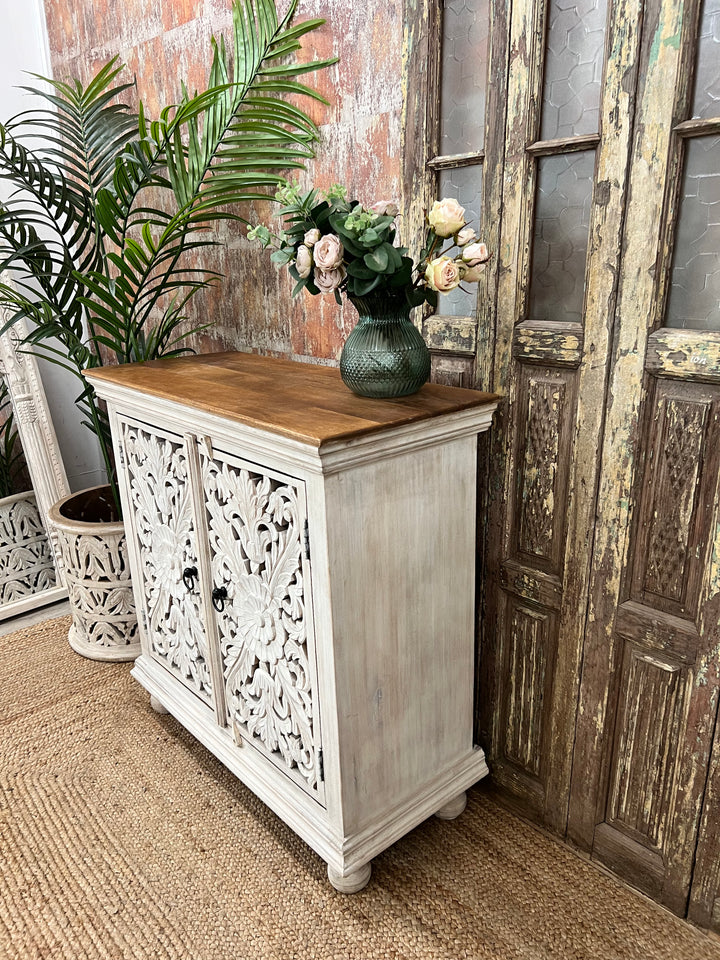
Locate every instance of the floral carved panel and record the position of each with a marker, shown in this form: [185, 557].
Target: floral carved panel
[26, 561]
[164, 529]
[255, 525]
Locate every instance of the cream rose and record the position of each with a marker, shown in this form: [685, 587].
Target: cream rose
[329, 252]
[384, 208]
[303, 261]
[442, 274]
[475, 253]
[328, 280]
[446, 217]
[311, 237]
[466, 235]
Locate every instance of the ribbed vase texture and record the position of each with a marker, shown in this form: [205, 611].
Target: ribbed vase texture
[385, 355]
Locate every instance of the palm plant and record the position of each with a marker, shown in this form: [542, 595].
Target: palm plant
[107, 207]
[12, 462]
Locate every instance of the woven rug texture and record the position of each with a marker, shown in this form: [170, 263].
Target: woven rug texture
[122, 837]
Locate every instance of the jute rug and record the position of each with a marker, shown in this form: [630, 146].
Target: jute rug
[121, 837]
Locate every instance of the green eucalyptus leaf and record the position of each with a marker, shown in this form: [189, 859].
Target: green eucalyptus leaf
[370, 237]
[363, 287]
[358, 268]
[377, 260]
[416, 296]
[282, 256]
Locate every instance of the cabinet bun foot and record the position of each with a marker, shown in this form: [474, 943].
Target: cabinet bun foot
[351, 882]
[156, 705]
[453, 808]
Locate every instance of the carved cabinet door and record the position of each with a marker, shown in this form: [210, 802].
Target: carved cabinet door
[156, 473]
[256, 528]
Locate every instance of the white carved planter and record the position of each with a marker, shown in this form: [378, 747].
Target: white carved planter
[97, 572]
[26, 561]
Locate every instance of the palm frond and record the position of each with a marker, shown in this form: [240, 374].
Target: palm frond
[12, 461]
[108, 207]
[86, 129]
[250, 126]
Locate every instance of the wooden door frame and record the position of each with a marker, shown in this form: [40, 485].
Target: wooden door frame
[460, 346]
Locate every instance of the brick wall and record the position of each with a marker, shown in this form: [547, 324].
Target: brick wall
[165, 41]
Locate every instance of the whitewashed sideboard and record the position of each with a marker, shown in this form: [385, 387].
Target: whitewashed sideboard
[304, 570]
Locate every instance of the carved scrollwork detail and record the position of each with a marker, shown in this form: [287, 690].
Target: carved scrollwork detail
[255, 532]
[37, 433]
[165, 532]
[26, 563]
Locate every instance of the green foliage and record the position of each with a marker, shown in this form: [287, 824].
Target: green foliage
[12, 461]
[107, 206]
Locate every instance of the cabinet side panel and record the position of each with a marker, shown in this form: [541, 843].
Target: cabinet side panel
[401, 552]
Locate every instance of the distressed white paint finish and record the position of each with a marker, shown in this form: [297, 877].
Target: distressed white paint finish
[42, 455]
[453, 809]
[390, 582]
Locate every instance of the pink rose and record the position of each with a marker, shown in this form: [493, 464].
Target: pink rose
[466, 235]
[475, 253]
[328, 280]
[303, 261]
[311, 237]
[384, 208]
[446, 217]
[442, 274]
[329, 252]
[472, 274]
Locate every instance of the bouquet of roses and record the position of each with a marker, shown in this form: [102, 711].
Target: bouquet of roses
[334, 245]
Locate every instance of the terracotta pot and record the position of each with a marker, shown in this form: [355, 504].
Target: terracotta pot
[94, 556]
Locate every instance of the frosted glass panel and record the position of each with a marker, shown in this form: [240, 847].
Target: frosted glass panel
[573, 68]
[694, 300]
[466, 28]
[706, 102]
[465, 185]
[560, 242]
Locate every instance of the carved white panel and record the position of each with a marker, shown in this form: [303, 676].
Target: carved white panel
[26, 562]
[255, 522]
[42, 455]
[164, 529]
[34, 424]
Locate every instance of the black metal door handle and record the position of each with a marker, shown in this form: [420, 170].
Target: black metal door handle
[219, 596]
[189, 576]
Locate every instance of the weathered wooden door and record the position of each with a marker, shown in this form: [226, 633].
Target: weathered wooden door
[600, 325]
[648, 698]
[572, 76]
[601, 628]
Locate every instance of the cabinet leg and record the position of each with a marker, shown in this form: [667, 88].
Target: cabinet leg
[156, 705]
[453, 808]
[351, 882]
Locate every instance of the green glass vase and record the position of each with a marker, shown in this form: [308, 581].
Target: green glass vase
[385, 355]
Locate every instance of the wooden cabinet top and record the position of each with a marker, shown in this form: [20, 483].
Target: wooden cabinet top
[306, 402]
